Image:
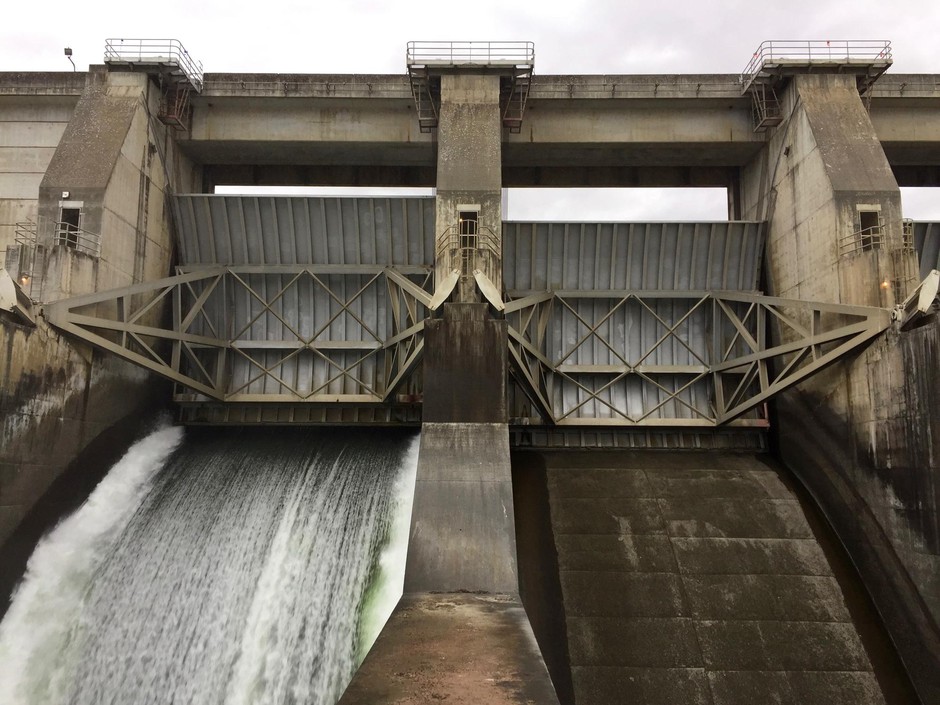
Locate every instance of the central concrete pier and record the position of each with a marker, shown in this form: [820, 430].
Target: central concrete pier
[460, 633]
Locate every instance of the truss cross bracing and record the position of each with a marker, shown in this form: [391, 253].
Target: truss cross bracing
[671, 358]
[284, 334]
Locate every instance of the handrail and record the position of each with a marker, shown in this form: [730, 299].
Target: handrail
[26, 232]
[486, 239]
[822, 50]
[870, 238]
[145, 51]
[480, 53]
[77, 238]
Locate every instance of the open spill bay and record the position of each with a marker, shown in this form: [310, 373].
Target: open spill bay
[226, 566]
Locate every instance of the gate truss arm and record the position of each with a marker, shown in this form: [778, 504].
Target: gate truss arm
[672, 358]
[273, 333]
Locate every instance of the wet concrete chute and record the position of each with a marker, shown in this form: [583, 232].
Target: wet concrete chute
[588, 455]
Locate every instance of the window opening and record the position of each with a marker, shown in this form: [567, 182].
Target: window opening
[69, 227]
[468, 231]
[869, 230]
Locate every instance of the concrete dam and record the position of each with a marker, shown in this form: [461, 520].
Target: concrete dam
[568, 462]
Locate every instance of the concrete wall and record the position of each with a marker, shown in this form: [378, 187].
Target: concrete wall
[695, 578]
[110, 159]
[31, 126]
[860, 435]
[56, 396]
[864, 439]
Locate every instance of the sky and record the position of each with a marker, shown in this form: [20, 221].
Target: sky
[577, 36]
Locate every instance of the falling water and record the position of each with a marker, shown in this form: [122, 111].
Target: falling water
[229, 567]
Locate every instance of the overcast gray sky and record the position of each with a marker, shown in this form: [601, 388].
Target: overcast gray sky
[576, 36]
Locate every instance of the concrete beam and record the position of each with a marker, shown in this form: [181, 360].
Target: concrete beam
[671, 130]
[424, 175]
[42, 83]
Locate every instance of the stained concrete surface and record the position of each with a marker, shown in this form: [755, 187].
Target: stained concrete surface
[695, 578]
[462, 530]
[66, 494]
[457, 648]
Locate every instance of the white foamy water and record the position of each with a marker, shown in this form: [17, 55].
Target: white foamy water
[245, 567]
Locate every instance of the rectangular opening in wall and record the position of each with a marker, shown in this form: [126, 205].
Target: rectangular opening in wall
[869, 229]
[615, 204]
[69, 226]
[468, 231]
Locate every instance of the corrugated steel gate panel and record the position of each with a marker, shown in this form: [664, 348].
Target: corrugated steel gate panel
[639, 256]
[337, 319]
[607, 331]
[231, 230]
[338, 315]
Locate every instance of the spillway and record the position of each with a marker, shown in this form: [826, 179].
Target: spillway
[216, 567]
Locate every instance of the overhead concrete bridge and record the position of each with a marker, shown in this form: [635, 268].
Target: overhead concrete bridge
[700, 455]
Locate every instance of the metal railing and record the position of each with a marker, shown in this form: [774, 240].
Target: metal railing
[461, 53]
[863, 240]
[26, 232]
[907, 235]
[29, 256]
[821, 51]
[154, 51]
[77, 239]
[484, 237]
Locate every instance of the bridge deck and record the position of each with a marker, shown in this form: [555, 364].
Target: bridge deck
[605, 130]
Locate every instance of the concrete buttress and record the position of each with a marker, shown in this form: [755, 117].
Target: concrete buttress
[856, 435]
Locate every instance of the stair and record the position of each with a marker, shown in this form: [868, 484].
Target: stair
[517, 94]
[424, 92]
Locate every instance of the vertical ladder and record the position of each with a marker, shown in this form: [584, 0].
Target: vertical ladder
[765, 107]
[423, 93]
[174, 106]
[516, 96]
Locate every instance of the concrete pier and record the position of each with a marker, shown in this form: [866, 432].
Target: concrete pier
[856, 435]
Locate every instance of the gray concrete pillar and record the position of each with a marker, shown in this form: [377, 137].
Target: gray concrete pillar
[469, 180]
[108, 171]
[463, 535]
[850, 434]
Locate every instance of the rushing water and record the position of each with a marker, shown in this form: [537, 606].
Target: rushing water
[224, 567]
